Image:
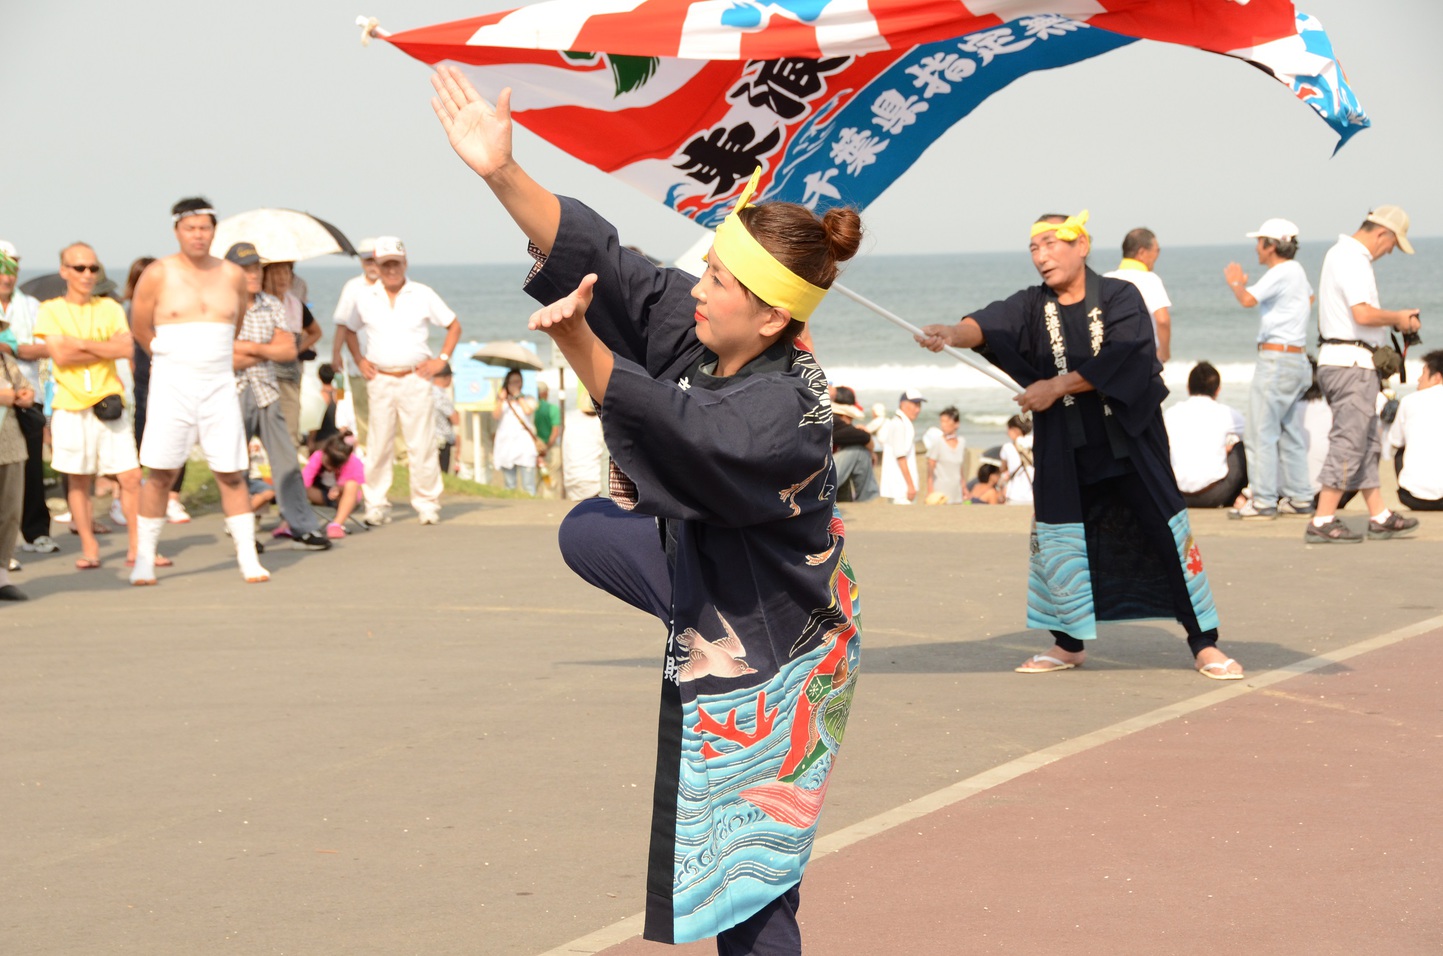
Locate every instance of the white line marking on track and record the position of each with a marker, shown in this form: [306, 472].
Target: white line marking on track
[623, 930]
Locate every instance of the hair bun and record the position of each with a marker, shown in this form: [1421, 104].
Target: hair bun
[843, 225]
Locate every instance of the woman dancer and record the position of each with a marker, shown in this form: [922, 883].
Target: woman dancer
[722, 523]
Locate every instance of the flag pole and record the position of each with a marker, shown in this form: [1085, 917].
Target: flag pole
[966, 359]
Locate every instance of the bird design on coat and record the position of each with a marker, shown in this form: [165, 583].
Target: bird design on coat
[720, 658]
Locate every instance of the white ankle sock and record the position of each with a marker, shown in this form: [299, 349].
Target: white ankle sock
[1384, 516]
[147, 537]
[1320, 520]
[243, 532]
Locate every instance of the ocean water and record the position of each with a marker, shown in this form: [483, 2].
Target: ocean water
[860, 349]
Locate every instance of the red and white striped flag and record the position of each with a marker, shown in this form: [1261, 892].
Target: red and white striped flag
[833, 98]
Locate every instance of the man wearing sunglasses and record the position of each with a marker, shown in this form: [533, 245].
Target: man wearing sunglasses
[187, 312]
[90, 430]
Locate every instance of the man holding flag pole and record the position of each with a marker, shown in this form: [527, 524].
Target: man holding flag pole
[1111, 539]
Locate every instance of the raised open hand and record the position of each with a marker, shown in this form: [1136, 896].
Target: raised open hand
[565, 316]
[479, 134]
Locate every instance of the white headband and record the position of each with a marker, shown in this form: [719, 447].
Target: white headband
[193, 212]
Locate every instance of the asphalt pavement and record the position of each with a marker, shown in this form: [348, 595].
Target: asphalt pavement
[436, 740]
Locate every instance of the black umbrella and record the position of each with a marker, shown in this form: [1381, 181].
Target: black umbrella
[52, 286]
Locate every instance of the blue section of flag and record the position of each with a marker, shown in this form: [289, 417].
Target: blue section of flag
[851, 150]
[1328, 91]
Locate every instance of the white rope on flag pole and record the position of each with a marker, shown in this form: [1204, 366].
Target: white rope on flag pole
[965, 358]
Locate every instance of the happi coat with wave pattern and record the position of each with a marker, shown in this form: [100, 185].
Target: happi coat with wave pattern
[763, 649]
[1095, 565]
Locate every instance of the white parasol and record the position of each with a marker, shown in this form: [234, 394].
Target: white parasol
[281, 235]
[508, 355]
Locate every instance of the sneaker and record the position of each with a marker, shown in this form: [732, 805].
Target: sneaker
[376, 517]
[175, 512]
[1394, 526]
[44, 544]
[16, 565]
[117, 514]
[334, 530]
[1292, 506]
[63, 518]
[314, 541]
[1334, 532]
[1250, 512]
[429, 517]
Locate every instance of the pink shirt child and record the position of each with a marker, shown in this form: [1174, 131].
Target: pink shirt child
[352, 470]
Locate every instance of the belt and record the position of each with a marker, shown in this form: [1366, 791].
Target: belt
[1280, 347]
[396, 373]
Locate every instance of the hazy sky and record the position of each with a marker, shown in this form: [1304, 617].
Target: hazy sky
[115, 110]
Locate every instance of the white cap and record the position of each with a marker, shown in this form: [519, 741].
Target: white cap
[9, 250]
[389, 247]
[366, 248]
[1275, 229]
[912, 395]
[1394, 218]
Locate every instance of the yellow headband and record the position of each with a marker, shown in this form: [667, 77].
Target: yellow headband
[757, 269]
[1068, 230]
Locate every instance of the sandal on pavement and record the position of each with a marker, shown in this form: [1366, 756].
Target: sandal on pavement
[1218, 670]
[1053, 664]
[87, 564]
[161, 561]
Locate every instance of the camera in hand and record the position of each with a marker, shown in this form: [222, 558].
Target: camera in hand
[1411, 339]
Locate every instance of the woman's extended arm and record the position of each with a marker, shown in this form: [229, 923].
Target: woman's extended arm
[481, 136]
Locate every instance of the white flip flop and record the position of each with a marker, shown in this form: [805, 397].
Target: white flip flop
[1222, 670]
[1043, 658]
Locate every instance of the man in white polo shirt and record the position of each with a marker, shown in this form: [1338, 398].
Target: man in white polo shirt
[1418, 433]
[1204, 440]
[354, 385]
[395, 314]
[1140, 250]
[1277, 445]
[899, 450]
[1352, 326]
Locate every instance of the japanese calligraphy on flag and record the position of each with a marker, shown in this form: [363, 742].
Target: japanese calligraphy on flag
[834, 99]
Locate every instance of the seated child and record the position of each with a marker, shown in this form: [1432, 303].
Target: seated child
[333, 476]
[983, 490]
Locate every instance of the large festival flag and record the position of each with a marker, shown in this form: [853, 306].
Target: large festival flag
[834, 99]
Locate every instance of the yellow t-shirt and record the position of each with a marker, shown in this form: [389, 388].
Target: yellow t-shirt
[81, 386]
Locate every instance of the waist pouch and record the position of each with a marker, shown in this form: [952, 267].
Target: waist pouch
[109, 408]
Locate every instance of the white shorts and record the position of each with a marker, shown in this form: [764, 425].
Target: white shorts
[82, 444]
[185, 409]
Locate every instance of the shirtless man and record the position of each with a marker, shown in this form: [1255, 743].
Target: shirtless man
[187, 312]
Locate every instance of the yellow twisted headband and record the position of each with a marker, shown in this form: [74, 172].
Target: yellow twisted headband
[1068, 230]
[757, 269]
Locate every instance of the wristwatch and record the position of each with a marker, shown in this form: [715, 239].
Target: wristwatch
[444, 356]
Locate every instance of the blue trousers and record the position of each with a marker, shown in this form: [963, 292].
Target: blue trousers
[1277, 446]
[621, 553]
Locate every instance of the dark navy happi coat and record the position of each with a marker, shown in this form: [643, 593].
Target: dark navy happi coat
[763, 647]
[1091, 567]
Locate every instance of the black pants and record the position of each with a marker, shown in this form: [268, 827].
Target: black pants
[1133, 491]
[1223, 492]
[620, 552]
[34, 516]
[1414, 503]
